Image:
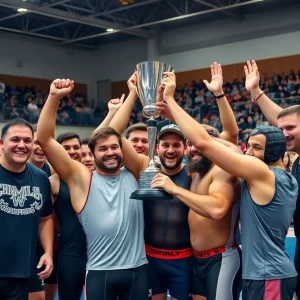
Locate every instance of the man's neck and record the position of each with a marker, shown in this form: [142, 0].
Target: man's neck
[172, 171]
[277, 164]
[101, 172]
[16, 168]
[38, 165]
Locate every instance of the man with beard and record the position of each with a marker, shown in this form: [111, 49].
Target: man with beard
[213, 200]
[37, 289]
[72, 253]
[268, 199]
[87, 157]
[117, 264]
[288, 120]
[167, 236]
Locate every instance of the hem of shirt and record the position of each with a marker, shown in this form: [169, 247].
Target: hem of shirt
[118, 267]
[10, 275]
[291, 275]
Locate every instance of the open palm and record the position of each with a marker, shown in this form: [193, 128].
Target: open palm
[252, 76]
[216, 84]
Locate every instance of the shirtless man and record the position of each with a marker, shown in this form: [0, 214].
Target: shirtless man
[213, 217]
[268, 201]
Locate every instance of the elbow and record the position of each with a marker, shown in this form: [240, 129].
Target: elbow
[202, 144]
[219, 213]
[42, 139]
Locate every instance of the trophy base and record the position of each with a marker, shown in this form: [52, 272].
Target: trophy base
[150, 194]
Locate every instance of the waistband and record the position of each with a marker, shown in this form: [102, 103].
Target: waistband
[168, 254]
[212, 252]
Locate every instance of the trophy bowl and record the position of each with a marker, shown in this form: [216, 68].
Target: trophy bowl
[150, 75]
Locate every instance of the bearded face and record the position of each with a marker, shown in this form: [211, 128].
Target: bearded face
[197, 162]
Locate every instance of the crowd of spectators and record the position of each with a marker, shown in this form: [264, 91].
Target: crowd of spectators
[195, 98]
[26, 102]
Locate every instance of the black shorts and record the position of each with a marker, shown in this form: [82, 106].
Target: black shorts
[170, 274]
[217, 276]
[297, 266]
[279, 289]
[13, 288]
[52, 279]
[127, 284]
[35, 284]
[71, 276]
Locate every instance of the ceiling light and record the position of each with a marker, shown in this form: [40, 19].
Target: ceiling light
[21, 10]
[109, 29]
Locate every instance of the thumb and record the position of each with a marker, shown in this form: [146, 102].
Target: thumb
[41, 262]
[206, 83]
[122, 98]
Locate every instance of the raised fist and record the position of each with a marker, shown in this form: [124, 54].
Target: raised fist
[61, 87]
[132, 81]
[115, 104]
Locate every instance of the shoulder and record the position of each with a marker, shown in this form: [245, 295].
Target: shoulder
[221, 175]
[125, 173]
[37, 171]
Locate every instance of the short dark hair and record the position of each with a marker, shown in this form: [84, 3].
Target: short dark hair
[103, 133]
[135, 127]
[68, 136]
[294, 109]
[14, 122]
[85, 141]
[34, 127]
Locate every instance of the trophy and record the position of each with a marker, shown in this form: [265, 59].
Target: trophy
[150, 75]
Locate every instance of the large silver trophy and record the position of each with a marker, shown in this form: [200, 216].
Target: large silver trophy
[150, 75]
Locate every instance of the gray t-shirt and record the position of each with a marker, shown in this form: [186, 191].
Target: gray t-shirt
[113, 223]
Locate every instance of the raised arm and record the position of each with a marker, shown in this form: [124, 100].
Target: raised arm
[131, 159]
[270, 109]
[68, 169]
[230, 128]
[112, 110]
[239, 165]
[121, 118]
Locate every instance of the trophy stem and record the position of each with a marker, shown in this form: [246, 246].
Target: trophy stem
[152, 130]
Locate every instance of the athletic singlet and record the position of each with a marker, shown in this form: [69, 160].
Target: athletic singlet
[72, 237]
[113, 223]
[296, 173]
[166, 222]
[46, 169]
[264, 228]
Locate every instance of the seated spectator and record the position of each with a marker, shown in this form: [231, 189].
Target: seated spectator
[33, 110]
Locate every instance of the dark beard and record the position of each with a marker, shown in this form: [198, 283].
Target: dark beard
[178, 163]
[200, 166]
[103, 167]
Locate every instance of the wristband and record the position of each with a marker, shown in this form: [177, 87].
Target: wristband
[256, 97]
[220, 96]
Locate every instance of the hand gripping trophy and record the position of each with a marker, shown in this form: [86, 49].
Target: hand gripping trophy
[150, 75]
